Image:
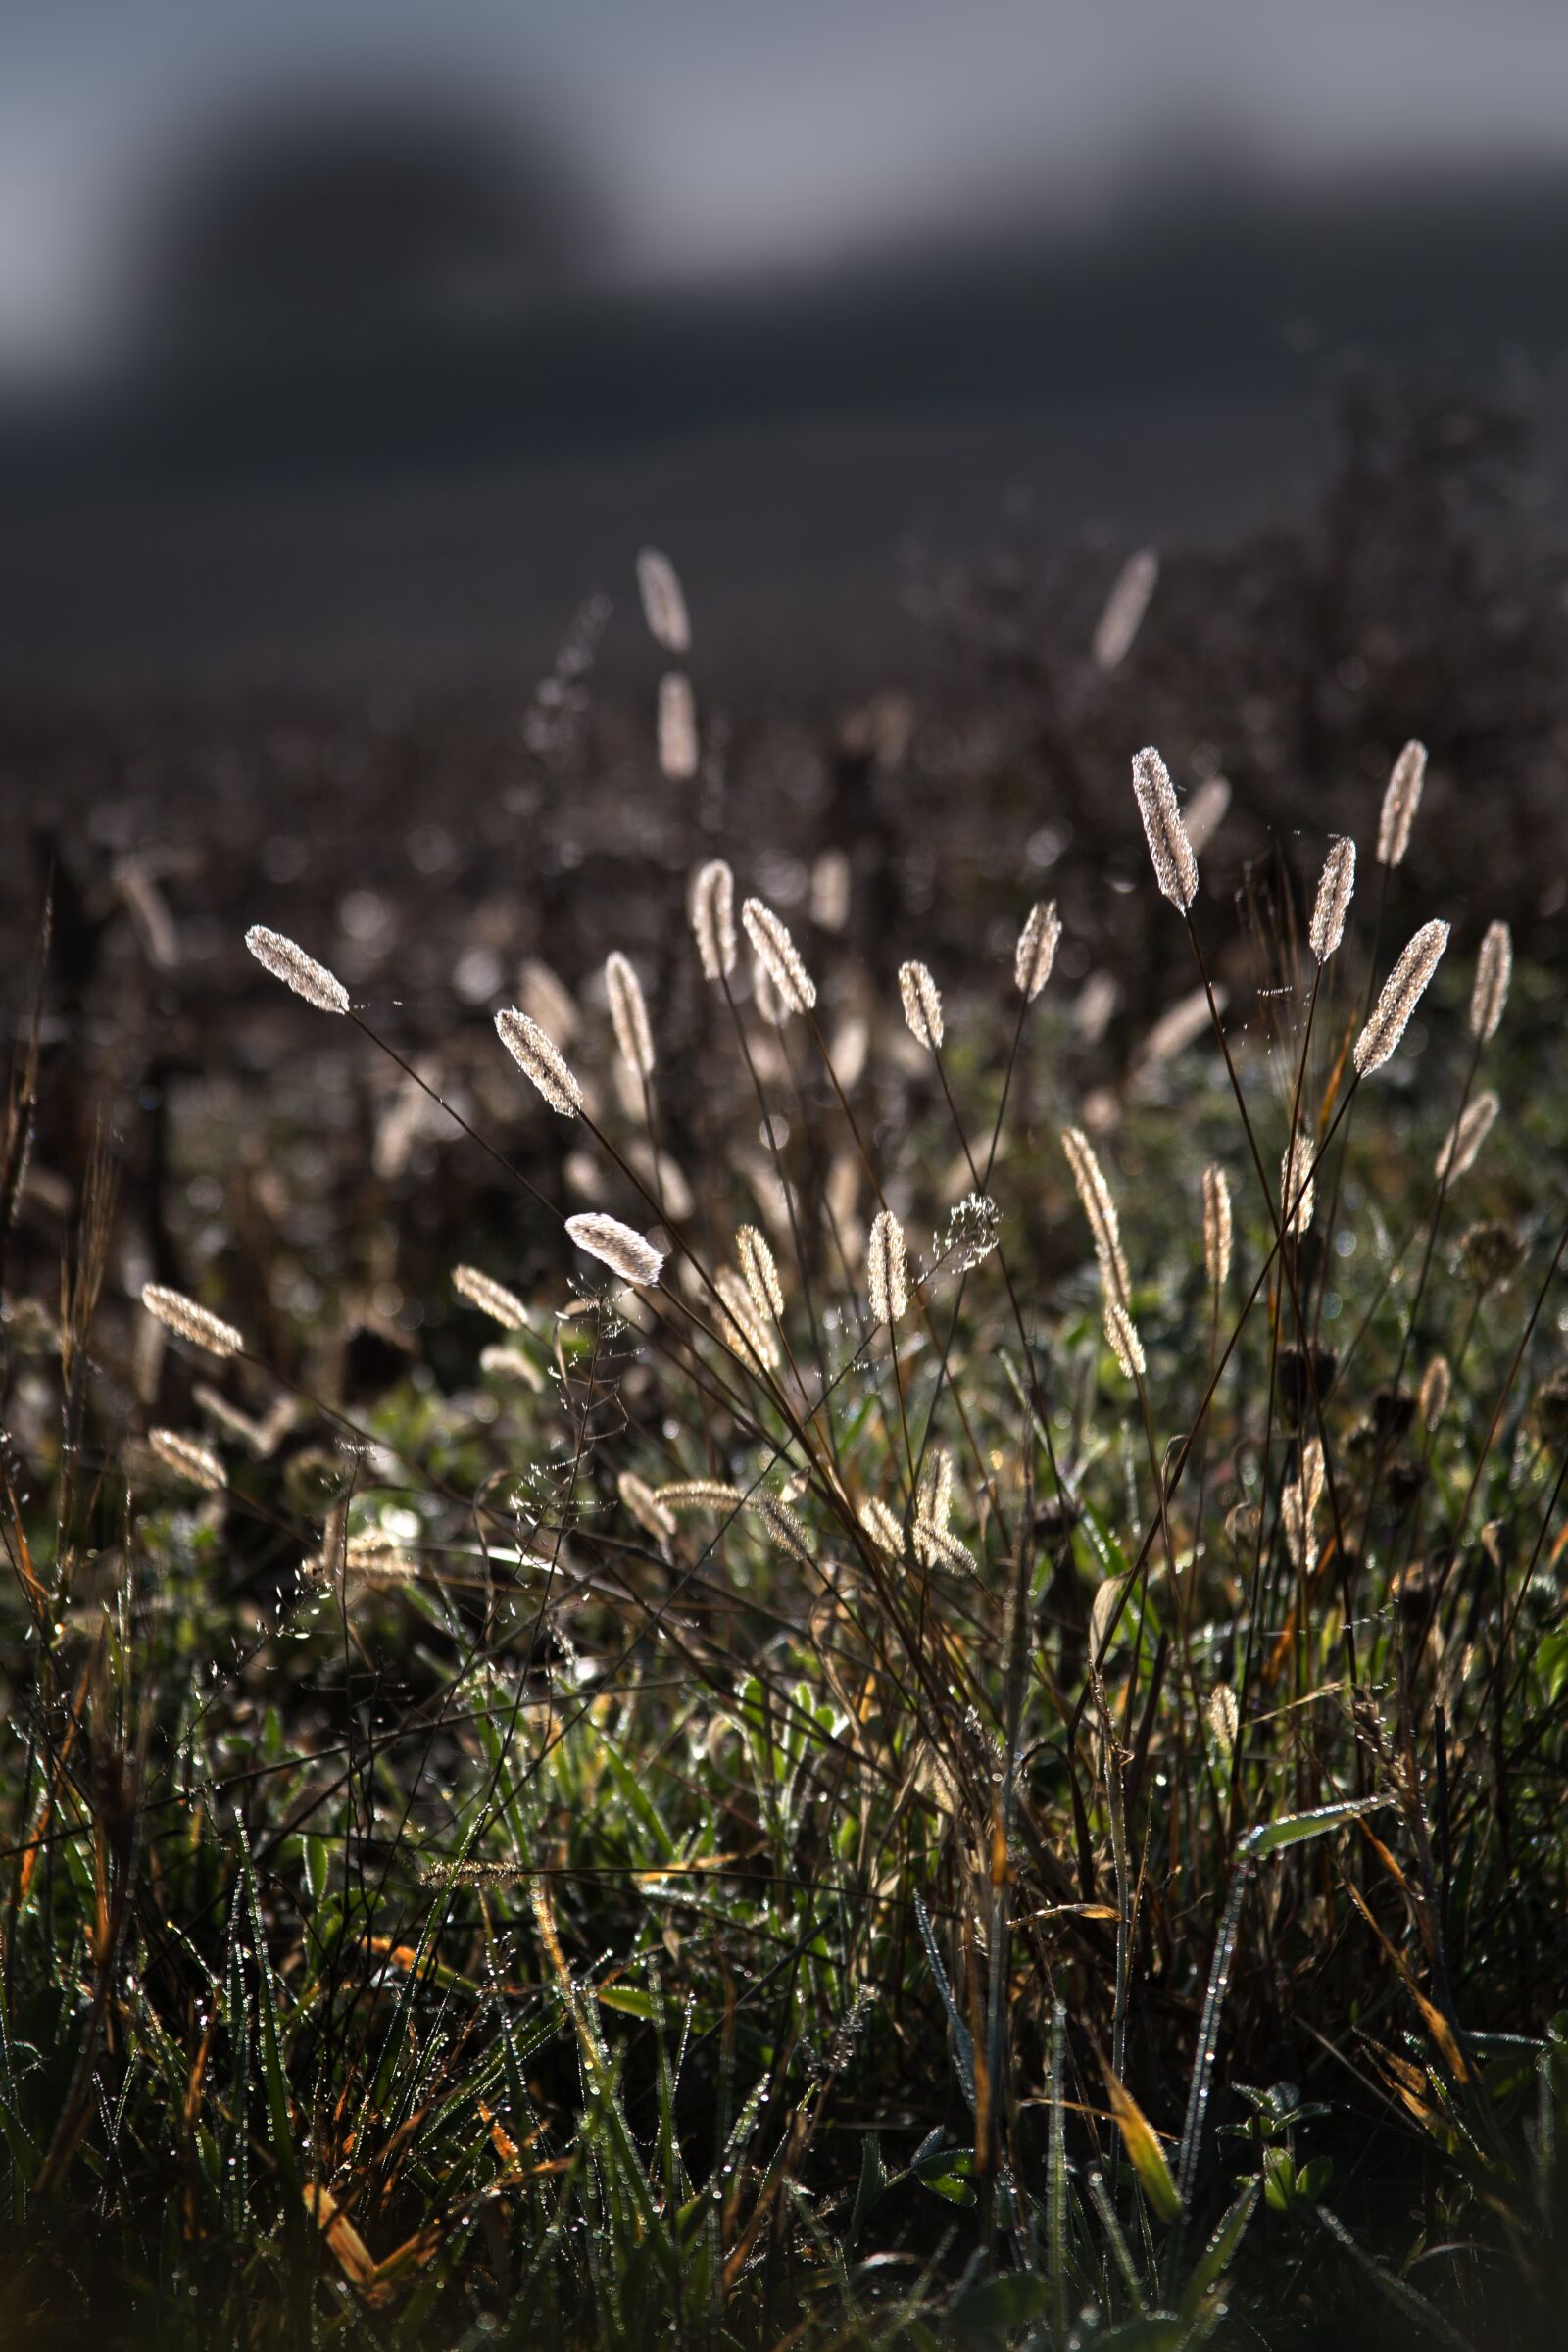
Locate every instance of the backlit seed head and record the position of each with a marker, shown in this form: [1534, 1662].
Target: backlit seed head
[750, 1336]
[697, 1495]
[784, 1528]
[1403, 991]
[922, 1003]
[761, 1269]
[664, 603]
[1297, 1190]
[1432, 1398]
[1094, 1193]
[1122, 1333]
[628, 1012]
[1175, 866]
[297, 971]
[1125, 606]
[677, 728]
[1217, 1227]
[491, 1298]
[1035, 950]
[644, 1504]
[1335, 889]
[778, 956]
[197, 1464]
[626, 1251]
[1494, 971]
[711, 907]
[885, 1276]
[540, 1061]
[883, 1528]
[1465, 1139]
[1224, 1718]
[190, 1321]
[1400, 802]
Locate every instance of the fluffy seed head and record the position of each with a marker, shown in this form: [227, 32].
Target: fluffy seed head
[1297, 1190]
[1299, 1501]
[1035, 950]
[1433, 1395]
[626, 1252]
[540, 1061]
[1175, 866]
[645, 1506]
[751, 1335]
[509, 1363]
[1403, 991]
[664, 603]
[883, 1528]
[1224, 1718]
[297, 971]
[1334, 892]
[761, 1269]
[885, 1268]
[1217, 1226]
[1400, 802]
[628, 1010]
[190, 1321]
[785, 1529]
[1100, 1211]
[1465, 1139]
[194, 1462]
[1494, 971]
[677, 726]
[933, 1501]
[711, 907]
[778, 956]
[922, 1003]
[491, 1298]
[697, 1495]
[1122, 1333]
[1125, 606]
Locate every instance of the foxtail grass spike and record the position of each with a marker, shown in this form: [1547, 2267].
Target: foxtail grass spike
[1125, 606]
[628, 1014]
[197, 1464]
[1335, 889]
[620, 1248]
[540, 1060]
[677, 728]
[1035, 950]
[885, 1276]
[922, 1004]
[1403, 991]
[778, 956]
[1465, 1139]
[491, 1298]
[1122, 1333]
[191, 1322]
[664, 601]
[1400, 800]
[1217, 1226]
[711, 907]
[1493, 970]
[297, 971]
[1175, 866]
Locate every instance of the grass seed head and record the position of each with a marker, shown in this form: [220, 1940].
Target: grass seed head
[491, 1298]
[1094, 1193]
[778, 956]
[1035, 950]
[677, 728]
[540, 1060]
[1465, 1139]
[1122, 1333]
[1297, 1190]
[885, 1276]
[191, 1322]
[190, 1460]
[1217, 1226]
[1400, 802]
[628, 1012]
[297, 971]
[711, 908]
[1335, 887]
[922, 1004]
[624, 1251]
[1493, 970]
[664, 601]
[883, 1527]
[1175, 866]
[1403, 991]
[761, 1269]
[1123, 615]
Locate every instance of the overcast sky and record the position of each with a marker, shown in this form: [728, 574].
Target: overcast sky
[734, 135]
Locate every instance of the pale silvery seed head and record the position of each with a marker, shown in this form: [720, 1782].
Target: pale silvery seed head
[1175, 866]
[1433, 1395]
[711, 907]
[1494, 971]
[1401, 993]
[778, 956]
[509, 1363]
[933, 1501]
[1102, 1610]
[784, 1528]
[883, 1528]
[1125, 606]
[1298, 1502]
[196, 1463]
[491, 1298]
[1217, 1228]
[697, 1495]
[1035, 950]
[1297, 1190]
[770, 1006]
[939, 1548]
[750, 1334]
[628, 1012]
[645, 1506]
[761, 1269]
[297, 971]
[1100, 1211]
[663, 604]
[540, 1061]
[1465, 1139]
[922, 1004]
[190, 1321]
[1122, 1333]
[1224, 1718]
[1400, 802]
[677, 728]
[885, 1268]
[626, 1251]
[1334, 894]
[1205, 813]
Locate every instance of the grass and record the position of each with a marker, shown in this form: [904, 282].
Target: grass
[713, 1819]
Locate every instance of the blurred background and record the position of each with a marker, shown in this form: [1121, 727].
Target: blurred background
[359, 344]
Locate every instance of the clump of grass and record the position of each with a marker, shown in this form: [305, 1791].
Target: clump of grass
[871, 1793]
